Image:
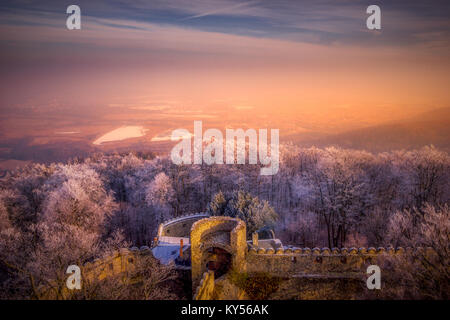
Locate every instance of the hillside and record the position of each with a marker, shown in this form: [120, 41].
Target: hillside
[429, 128]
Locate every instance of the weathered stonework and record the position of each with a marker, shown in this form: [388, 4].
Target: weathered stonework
[180, 226]
[226, 233]
[303, 273]
[120, 262]
[205, 290]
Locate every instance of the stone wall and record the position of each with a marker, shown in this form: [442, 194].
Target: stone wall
[223, 232]
[306, 273]
[205, 290]
[302, 272]
[119, 262]
[180, 226]
[316, 262]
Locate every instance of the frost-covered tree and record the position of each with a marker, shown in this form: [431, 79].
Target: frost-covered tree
[51, 215]
[429, 175]
[70, 229]
[239, 204]
[76, 196]
[160, 191]
[339, 184]
[421, 273]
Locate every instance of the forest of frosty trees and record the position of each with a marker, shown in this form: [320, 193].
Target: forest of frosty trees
[55, 215]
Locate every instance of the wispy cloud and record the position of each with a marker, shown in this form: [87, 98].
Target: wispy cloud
[229, 10]
[325, 22]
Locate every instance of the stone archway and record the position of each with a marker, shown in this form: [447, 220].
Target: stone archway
[219, 240]
[217, 260]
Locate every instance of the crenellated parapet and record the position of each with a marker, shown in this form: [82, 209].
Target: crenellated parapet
[327, 251]
[257, 258]
[316, 262]
[215, 245]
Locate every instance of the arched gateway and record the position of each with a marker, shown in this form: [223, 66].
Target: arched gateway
[217, 244]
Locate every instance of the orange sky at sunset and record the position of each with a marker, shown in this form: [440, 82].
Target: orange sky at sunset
[310, 69]
[199, 67]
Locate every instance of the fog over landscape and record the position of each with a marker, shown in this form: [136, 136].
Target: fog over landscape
[86, 120]
[310, 70]
[34, 136]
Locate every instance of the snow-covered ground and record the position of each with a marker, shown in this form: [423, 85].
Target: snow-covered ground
[67, 132]
[167, 136]
[121, 133]
[167, 252]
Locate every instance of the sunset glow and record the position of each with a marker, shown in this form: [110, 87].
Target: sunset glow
[225, 150]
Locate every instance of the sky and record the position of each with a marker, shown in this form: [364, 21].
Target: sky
[267, 56]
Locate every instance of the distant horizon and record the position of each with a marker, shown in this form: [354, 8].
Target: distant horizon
[312, 70]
